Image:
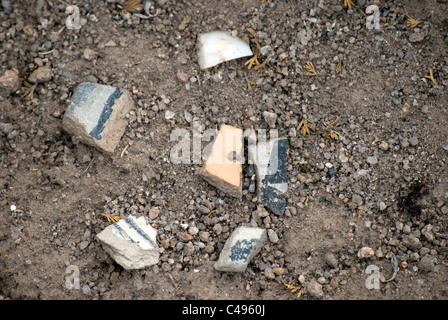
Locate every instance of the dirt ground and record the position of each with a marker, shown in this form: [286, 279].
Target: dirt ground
[376, 178]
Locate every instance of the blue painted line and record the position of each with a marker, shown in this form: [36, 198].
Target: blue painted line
[105, 114]
[140, 232]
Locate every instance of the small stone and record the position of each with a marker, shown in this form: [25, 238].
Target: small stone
[331, 260]
[6, 128]
[426, 263]
[188, 249]
[382, 206]
[110, 43]
[321, 280]
[343, 158]
[314, 288]
[217, 228]
[185, 237]
[411, 242]
[86, 289]
[182, 76]
[406, 229]
[279, 271]
[84, 244]
[138, 284]
[114, 276]
[9, 82]
[272, 235]
[204, 236]
[89, 54]
[269, 273]
[270, 118]
[41, 75]
[193, 230]
[169, 114]
[154, 213]
[262, 212]
[240, 248]
[366, 252]
[416, 37]
[384, 146]
[357, 199]
[413, 141]
[372, 160]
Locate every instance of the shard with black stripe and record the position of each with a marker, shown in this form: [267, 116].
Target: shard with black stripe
[131, 242]
[270, 159]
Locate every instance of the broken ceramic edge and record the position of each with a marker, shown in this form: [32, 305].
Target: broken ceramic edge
[131, 242]
[270, 159]
[217, 47]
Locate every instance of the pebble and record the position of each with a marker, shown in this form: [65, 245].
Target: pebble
[372, 160]
[279, 271]
[416, 37]
[384, 146]
[9, 82]
[84, 244]
[411, 242]
[357, 199]
[188, 249]
[86, 289]
[314, 288]
[406, 229]
[331, 260]
[154, 213]
[272, 235]
[182, 76]
[426, 263]
[343, 158]
[413, 141]
[365, 252]
[270, 118]
[382, 206]
[89, 54]
[193, 230]
[185, 237]
[41, 75]
[169, 114]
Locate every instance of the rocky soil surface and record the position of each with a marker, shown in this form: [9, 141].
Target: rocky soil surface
[368, 184]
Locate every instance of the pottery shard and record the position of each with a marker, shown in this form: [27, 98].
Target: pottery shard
[97, 115]
[131, 242]
[223, 168]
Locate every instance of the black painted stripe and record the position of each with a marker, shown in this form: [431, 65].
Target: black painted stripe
[105, 114]
[140, 232]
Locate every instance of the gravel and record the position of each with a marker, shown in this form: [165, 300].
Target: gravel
[343, 194]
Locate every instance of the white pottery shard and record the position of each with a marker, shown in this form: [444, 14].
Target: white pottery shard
[216, 47]
[131, 242]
